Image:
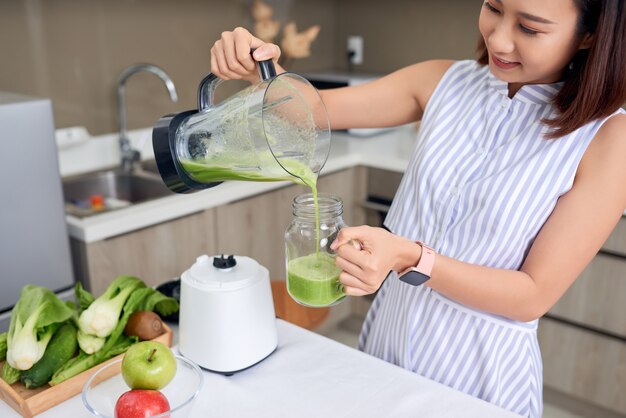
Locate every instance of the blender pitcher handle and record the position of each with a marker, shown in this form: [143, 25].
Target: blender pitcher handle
[206, 89]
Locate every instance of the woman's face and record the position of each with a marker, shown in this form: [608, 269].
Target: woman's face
[529, 41]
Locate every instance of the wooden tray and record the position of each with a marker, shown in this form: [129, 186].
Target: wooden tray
[30, 402]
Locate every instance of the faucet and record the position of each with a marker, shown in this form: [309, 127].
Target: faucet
[128, 154]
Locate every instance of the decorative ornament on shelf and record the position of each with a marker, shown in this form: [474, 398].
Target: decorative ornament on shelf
[293, 44]
[265, 28]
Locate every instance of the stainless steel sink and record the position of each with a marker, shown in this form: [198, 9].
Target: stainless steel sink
[117, 189]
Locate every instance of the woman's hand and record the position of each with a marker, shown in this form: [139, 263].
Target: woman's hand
[365, 269]
[231, 58]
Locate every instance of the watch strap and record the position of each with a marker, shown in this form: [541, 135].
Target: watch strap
[420, 273]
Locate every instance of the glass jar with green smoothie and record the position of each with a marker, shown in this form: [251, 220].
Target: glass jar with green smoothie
[312, 276]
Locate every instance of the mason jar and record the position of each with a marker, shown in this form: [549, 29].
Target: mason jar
[312, 276]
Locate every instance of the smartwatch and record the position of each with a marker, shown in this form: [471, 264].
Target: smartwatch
[419, 274]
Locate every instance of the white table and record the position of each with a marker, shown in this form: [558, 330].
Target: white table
[312, 376]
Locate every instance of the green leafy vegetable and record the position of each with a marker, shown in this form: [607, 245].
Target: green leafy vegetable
[103, 314]
[89, 343]
[10, 374]
[3, 346]
[83, 297]
[34, 319]
[141, 299]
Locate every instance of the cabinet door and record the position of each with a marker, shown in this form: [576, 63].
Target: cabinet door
[583, 364]
[255, 227]
[155, 254]
[617, 240]
[597, 297]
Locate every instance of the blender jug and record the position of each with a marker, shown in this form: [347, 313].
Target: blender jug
[276, 129]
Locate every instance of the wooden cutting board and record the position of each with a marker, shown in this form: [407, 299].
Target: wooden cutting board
[30, 402]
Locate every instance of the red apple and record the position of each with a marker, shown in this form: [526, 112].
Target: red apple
[141, 403]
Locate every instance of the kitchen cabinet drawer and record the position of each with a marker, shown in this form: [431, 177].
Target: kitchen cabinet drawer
[597, 298]
[617, 240]
[583, 364]
[155, 254]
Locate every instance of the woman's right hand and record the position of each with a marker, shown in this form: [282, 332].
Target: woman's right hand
[231, 58]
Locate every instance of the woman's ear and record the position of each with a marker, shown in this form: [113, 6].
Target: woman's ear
[585, 43]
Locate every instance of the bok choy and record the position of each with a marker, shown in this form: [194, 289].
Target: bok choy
[103, 314]
[35, 317]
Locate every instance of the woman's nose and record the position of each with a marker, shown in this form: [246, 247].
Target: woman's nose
[501, 39]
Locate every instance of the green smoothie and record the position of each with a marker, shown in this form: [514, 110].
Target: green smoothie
[240, 167]
[313, 280]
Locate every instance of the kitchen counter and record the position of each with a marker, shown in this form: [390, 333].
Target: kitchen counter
[389, 150]
[312, 376]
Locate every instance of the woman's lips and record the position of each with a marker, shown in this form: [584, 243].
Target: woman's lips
[505, 65]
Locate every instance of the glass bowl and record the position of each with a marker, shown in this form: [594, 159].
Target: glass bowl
[106, 385]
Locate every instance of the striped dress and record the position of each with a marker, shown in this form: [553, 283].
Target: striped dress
[481, 183]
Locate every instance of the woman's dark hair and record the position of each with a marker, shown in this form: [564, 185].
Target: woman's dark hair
[595, 81]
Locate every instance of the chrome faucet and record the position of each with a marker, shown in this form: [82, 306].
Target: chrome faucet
[128, 154]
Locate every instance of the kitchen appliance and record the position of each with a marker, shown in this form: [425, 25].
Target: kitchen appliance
[34, 243]
[226, 320]
[276, 129]
[336, 79]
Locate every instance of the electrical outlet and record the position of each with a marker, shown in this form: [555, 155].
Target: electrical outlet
[355, 50]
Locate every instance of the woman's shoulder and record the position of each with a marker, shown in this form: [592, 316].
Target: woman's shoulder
[438, 77]
[437, 74]
[605, 156]
[611, 136]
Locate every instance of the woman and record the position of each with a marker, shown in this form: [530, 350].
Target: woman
[516, 181]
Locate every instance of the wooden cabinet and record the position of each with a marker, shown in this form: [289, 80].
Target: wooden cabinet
[584, 364]
[616, 243]
[252, 227]
[155, 254]
[598, 297]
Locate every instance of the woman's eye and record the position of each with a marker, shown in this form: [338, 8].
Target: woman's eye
[527, 31]
[491, 8]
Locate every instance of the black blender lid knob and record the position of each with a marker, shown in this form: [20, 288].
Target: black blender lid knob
[224, 262]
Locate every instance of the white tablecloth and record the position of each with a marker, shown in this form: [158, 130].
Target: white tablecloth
[312, 376]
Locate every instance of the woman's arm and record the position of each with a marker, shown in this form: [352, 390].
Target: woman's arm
[580, 223]
[392, 100]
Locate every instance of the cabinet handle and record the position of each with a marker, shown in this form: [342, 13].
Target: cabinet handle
[589, 328]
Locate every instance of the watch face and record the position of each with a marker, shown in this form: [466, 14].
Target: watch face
[414, 278]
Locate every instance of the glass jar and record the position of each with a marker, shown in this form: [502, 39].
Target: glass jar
[312, 276]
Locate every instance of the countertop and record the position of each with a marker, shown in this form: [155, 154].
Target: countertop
[389, 150]
[312, 376]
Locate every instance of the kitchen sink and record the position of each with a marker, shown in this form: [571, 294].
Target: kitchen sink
[95, 193]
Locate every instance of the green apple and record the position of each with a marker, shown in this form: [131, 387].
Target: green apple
[148, 365]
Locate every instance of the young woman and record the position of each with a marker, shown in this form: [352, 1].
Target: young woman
[516, 181]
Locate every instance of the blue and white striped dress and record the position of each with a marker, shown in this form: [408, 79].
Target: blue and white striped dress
[481, 183]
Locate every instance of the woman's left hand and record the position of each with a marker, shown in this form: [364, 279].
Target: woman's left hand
[365, 269]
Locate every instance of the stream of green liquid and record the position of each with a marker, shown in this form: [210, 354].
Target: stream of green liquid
[312, 280]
